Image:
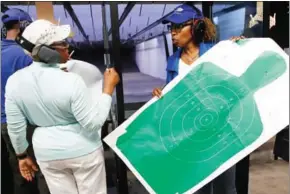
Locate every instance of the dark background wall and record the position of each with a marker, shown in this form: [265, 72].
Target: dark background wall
[280, 32]
[94, 53]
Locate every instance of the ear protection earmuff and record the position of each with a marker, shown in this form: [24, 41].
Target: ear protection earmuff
[44, 53]
[198, 30]
[198, 27]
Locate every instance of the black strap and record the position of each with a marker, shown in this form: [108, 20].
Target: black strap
[24, 43]
[22, 156]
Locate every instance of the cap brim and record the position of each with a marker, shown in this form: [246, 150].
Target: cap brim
[176, 18]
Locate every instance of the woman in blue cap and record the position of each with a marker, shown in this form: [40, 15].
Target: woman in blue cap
[194, 35]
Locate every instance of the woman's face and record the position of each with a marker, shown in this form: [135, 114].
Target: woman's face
[181, 34]
[63, 49]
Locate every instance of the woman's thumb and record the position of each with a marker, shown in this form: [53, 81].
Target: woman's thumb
[34, 167]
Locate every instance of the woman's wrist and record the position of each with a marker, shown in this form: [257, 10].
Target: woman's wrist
[22, 156]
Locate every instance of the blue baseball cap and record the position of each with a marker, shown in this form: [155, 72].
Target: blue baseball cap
[182, 14]
[15, 14]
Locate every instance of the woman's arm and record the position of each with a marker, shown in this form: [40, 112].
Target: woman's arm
[16, 121]
[90, 113]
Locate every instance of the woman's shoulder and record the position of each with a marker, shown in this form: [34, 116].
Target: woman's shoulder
[204, 47]
[175, 55]
[207, 45]
[173, 60]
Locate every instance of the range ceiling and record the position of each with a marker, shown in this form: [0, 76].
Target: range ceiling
[90, 17]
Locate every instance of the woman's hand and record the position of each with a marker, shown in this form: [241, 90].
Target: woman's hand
[237, 38]
[111, 79]
[27, 168]
[157, 92]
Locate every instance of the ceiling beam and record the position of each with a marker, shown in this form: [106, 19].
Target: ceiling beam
[124, 15]
[149, 38]
[87, 2]
[232, 8]
[3, 8]
[157, 22]
[72, 14]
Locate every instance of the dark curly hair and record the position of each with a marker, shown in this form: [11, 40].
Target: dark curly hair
[210, 30]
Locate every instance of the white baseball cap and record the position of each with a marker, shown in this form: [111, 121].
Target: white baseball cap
[44, 32]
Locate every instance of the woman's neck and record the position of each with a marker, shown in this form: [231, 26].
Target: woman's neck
[11, 35]
[191, 50]
[190, 53]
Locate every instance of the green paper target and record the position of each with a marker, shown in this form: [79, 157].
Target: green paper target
[207, 118]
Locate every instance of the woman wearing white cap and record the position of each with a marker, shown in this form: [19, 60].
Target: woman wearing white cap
[67, 145]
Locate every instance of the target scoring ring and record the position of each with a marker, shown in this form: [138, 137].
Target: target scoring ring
[208, 120]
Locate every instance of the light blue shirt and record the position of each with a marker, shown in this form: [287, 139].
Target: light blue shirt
[61, 105]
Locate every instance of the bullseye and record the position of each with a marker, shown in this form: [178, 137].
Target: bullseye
[206, 120]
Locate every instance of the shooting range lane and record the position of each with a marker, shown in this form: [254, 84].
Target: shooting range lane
[138, 86]
[207, 118]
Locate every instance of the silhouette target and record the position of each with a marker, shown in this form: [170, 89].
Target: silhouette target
[207, 118]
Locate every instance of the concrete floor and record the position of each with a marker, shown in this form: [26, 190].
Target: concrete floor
[271, 177]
